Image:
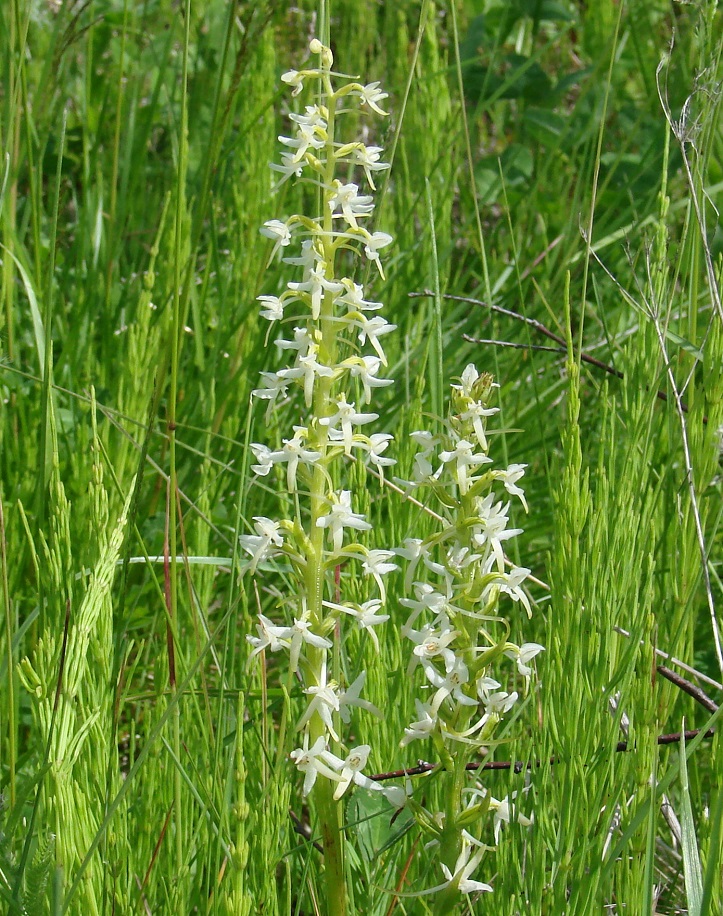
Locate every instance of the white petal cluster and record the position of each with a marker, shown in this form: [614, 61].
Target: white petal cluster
[319, 760]
[455, 606]
[333, 341]
[459, 584]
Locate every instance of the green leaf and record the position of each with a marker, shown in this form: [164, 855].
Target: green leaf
[544, 125]
[517, 164]
[370, 817]
[684, 344]
[712, 872]
[545, 10]
[691, 855]
[38, 329]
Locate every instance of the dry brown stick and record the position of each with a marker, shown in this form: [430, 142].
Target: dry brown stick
[699, 695]
[518, 766]
[676, 661]
[537, 326]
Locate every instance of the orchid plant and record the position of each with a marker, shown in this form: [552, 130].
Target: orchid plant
[459, 637]
[335, 343]
[458, 576]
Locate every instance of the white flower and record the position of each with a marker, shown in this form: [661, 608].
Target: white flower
[510, 477]
[292, 453]
[458, 559]
[325, 702]
[310, 132]
[475, 410]
[372, 330]
[468, 379]
[270, 637]
[493, 527]
[353, 298]
[511, 584]
[351, 770]
[463, 868]
[421, 729]
[312, 761]
[294, 78]
[432, 643]
[311, 369]
[352, 204]
[309, 257]
[438, 569]
[301, 342]
[412, 551]
[505, 812]
[449, 685]
[347, 416]
[373, 244]
[365, 368]
[377, 565]
[275, 386]
[278, 232]
[314, 286]
[497, 704]
[464, 457]
[423, 471]
[340, 517]
[259, 544]
[523, 655]
[366, 615]
[369, 159]
[315, 116]
[474, 414]
[371, 94]
[374, 446]
[428, 598]
[352, 697]
[485, 685]
[289, 166]
[300, 634]
[263, 454]
[426, 441]
[273, 307]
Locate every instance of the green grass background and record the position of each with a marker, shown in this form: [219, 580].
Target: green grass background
[560, 160]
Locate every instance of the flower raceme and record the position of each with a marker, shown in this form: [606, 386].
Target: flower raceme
[460, 580]
[333, 337]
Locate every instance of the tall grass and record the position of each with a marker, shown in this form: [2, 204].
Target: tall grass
[543, 163]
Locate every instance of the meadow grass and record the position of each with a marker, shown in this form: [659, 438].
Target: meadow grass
[561, 162]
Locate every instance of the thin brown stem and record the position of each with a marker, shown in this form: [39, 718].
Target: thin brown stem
[537, 326]
[518, 766]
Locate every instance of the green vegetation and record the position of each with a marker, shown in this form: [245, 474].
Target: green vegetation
[554, 164]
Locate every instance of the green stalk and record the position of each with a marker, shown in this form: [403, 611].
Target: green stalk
[451, 841]
[173, 476]
[113, 204]
[9, 629]
[241, 808]
[327, 809]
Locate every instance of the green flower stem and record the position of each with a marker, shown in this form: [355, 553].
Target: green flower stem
[451, 841]
[328, 813]
[331, 838]
[327, 808]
